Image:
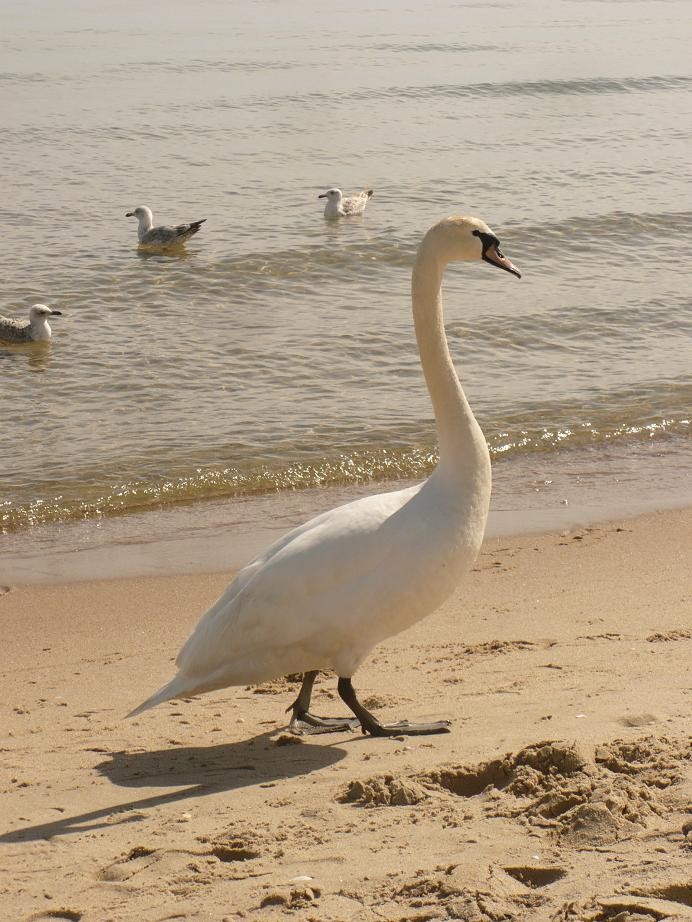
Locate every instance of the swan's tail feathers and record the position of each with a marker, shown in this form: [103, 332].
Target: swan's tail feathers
[180, 685]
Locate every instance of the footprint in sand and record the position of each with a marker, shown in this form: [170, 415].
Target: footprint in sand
[165, 862]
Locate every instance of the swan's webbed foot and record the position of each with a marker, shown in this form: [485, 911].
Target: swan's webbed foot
[370, 724]
[404, 728]
[302, 721]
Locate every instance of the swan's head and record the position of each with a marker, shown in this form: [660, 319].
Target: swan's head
[140, 212]
[459, 238]
[42, 312]
[333, 195]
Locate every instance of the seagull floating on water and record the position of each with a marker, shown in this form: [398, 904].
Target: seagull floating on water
[162, 236]
[326, 593]
[34, 330]
[339, 207]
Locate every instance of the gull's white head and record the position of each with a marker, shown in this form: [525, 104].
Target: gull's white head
[466, 238]
[42, 312]
[142, 213]
[333, 195]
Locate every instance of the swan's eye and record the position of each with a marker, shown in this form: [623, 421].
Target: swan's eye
[487, 240]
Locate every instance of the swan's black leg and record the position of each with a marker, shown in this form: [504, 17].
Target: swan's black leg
[371, 724]
[303, 721]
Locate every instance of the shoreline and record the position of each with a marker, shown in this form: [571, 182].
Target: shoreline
[561, 660]
[533, 494]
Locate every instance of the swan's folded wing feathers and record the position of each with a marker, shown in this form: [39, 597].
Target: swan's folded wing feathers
[323, 559]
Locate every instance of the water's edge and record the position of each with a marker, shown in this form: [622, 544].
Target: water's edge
[566, 491]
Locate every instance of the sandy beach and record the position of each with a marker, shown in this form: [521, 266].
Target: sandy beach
[562, 792]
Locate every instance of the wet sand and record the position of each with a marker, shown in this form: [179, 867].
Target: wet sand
[562, 792]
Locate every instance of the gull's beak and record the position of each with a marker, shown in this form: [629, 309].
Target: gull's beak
[324, 195]
[130, 214]
[493, 255]
[56, 313]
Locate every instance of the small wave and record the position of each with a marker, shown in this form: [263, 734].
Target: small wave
[16, 77]
[319, 262]
[559, 331]
[200, 66]
[579, 87]
[615, 228]
[357, 465]
[575, 87]
[436, 47]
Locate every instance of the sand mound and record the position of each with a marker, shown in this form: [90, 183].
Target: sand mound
[446, 894]
[552, 784]
[383, 791]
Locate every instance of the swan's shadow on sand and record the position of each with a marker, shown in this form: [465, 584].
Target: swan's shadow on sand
[202, 770]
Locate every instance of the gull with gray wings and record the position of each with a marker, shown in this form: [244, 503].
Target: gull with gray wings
[163, 235]
[35, 329]
[340, 207]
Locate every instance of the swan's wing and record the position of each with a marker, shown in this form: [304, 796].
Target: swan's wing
[280, 598]
[15, 331]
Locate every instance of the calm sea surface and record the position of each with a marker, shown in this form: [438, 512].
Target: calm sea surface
[277, 352]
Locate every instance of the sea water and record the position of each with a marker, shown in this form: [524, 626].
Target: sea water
[270, 368]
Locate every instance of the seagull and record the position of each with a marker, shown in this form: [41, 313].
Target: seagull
[339, 207]
[162, 236]
[35, 329]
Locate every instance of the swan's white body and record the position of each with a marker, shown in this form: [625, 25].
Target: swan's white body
[339, 206]
[35, 329]
[161, 236]
[326, 593]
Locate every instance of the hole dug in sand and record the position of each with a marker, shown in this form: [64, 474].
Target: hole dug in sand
[522, 773]
[536, 877]
[470, 782]
[234, 851]
[676, 893]
[70, 914]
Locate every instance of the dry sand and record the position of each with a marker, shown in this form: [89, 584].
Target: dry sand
[562, 792]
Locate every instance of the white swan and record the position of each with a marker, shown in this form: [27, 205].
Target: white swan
[35, 329]
[322, 596]
[161, 236]
[339, 207]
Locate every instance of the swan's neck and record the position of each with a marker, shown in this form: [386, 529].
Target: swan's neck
[463, 449]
